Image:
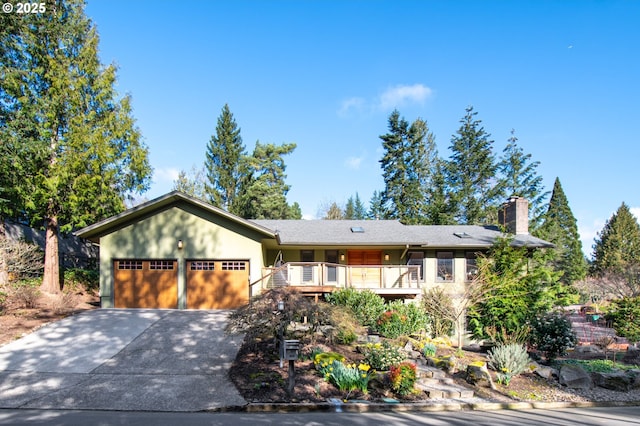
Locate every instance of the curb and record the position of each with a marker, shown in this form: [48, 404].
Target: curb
[361, 407]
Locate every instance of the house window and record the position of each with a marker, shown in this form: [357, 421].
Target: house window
[307, 271]
[130, 264]
[444, 267]
[207, 265]
[471, 265]
[234, 266]
[163, 265]
[416, 258]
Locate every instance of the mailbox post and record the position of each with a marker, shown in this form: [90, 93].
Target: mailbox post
[289, 351]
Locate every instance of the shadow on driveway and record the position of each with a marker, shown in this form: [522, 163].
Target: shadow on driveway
[111, 359]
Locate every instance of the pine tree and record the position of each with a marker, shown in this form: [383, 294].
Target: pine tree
[224, 162]
[87, 152]
[617, 246]
[350, 209]
[263, 191]
[404, 169]
[518, 176]
[376, 208]
[440, 209]
[359, 212]
[559, 227]
[471, 172]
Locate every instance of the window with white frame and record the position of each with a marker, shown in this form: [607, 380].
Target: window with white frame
[444, 266]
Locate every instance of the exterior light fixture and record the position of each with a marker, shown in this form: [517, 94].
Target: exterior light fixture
[386, 256]
[180, 245]
[342, 257]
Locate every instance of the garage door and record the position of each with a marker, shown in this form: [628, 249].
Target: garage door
[217, 284]
[145, 284]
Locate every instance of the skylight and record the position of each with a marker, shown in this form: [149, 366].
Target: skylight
[462, 235]
[357, 229]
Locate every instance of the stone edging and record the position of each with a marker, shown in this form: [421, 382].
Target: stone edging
[351, 407]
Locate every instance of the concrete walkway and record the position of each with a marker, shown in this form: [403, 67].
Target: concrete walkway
[110, 359]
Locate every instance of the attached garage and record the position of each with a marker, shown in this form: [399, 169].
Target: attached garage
[217, 284]
[177, 252]
[145, 283]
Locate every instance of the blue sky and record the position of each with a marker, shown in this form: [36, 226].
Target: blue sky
[327, 74]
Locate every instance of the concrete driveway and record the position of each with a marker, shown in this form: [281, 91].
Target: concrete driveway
[113, 359]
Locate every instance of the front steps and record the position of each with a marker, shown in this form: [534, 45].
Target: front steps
[437, 385]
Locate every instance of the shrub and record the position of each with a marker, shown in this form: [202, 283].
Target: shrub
[402, 319]
[403, 377]
[365, 304]
[429, 349]
[508, 360]
[3, 301]
[381, 356]
[624, 315]
[324, 359]
[88, 279]
[552, 335]
[440, 308]
[347, 377]
[27, 292]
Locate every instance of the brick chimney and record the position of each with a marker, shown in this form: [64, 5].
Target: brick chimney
[514, 215]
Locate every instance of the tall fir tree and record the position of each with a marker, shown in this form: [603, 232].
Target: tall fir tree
[441, 208]
[350, 209]
[405, 169]
[471, 173]
[559, 227]
[519, 177]
[88, 155]
[376, 208]
[617, 246]
[263, 191]
[225, 162]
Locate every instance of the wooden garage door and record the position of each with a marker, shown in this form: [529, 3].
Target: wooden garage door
[217, 284]
[145, 284]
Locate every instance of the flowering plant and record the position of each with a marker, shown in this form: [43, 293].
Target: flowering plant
[403, 377]
[380, 356]
[347, 377]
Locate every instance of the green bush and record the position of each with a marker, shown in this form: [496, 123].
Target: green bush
[403, 377]
[402, 319]
[365, 304]
[88, 279]
[429, 349]
[624, 315]
[508, 360]
[3, 301]
[552, 335]
[381, 356]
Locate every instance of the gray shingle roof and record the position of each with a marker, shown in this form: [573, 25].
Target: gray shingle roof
[388, 233]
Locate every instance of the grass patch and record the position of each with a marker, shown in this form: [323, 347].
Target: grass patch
[598, 365]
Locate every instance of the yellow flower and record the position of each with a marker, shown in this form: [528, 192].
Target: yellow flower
[364, 367]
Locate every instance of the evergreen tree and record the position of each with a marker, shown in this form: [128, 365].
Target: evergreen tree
[440, 209]
[518, 176]
[471, 173]
[263, 193]
[350, 209]
[404, 169]
[224, 162]
[617, 246]
[359, 212]
[376, 208]
[87, 152]
[559, 227]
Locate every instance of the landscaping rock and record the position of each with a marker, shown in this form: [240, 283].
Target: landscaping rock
[632, 356]
[589, 349]
[575, 377]
[617, 381]
[477, 372]
[542, 370]
[446, 363]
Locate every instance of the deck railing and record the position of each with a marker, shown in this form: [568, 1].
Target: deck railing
[320, 274]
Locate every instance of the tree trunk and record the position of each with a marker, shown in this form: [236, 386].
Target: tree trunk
[51, 280]
[4, 272]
